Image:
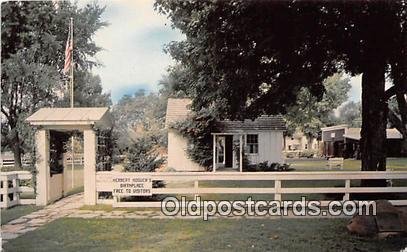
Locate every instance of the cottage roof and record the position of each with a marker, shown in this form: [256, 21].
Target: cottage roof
[354, 133]
[177, 110]
[70, 116]
[262, 123]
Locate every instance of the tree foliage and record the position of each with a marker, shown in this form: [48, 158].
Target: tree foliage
[176, 83]
[350, 113]
[309, 115]
[141, 156]
[197, 129]
[88, 91]
[34, 34]
[140, 111]
[253, 57]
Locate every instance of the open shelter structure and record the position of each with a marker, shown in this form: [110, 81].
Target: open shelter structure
[53, 126]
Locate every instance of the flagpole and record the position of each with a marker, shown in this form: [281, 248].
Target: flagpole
[72, 105]
[71, 35]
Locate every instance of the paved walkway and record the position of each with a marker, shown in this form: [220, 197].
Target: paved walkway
[32, 221]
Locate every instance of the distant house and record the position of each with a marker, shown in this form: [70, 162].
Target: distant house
[258, 140]
[342, 141]
[299, 142]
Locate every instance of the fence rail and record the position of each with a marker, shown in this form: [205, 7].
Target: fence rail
[78, 159]
[104, 184]
[10, 162]
[11, 188]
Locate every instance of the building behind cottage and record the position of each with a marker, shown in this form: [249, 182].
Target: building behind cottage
[342, 141]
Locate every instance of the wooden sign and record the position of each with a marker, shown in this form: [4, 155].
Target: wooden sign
[132, 185]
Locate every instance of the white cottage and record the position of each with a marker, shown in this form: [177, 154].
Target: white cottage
[259, 140]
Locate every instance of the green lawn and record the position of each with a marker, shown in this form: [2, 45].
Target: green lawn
[398, 164]
[197, 235]
[16, 212]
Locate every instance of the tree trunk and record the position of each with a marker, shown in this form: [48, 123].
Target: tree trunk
[309, 142]
[402, 104]
[374, 120]
[399, 74]
[398, 124]
[17, 153]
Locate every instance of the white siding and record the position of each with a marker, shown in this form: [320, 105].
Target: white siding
[270, 147]
[177, 155]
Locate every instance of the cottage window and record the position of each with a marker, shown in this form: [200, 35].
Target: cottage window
[253, 144]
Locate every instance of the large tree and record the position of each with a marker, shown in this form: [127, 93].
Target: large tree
[252, 57]
[309, 115]
[143, 112]
[88, 91]
[33, 38]
[350, 113]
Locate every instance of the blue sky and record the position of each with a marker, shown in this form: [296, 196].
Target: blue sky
[133, 56]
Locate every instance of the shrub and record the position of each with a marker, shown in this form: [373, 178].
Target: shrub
[141, 157]
[197, 129]
[265, 167]
[307, 153]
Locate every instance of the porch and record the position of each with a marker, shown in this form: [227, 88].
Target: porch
[228, 152]
[236, 143]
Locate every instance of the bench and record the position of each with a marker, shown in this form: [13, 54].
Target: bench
[335, 163]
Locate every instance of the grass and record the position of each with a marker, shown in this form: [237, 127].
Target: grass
[399, 164]
[196, 235]
[16, 212]
[110, 208]
[69, 234]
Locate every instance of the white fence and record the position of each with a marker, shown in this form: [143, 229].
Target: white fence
[78, 159]
[104, 184]
[9, 162]
[10, 188]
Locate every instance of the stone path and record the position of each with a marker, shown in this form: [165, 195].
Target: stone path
[157, 214]
[32, 221]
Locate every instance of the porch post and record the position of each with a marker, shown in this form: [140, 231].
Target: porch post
[214, 153]
[42, 166]
[224, 152]
[241, 153]
[89, 170]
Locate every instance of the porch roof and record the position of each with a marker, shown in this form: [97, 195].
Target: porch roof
[71, 116]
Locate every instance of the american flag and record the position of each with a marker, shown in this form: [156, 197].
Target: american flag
[68, 53]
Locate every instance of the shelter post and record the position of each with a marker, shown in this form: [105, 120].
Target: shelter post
[42, 166]
[241, 153]
[214, 153]
[90, 145]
